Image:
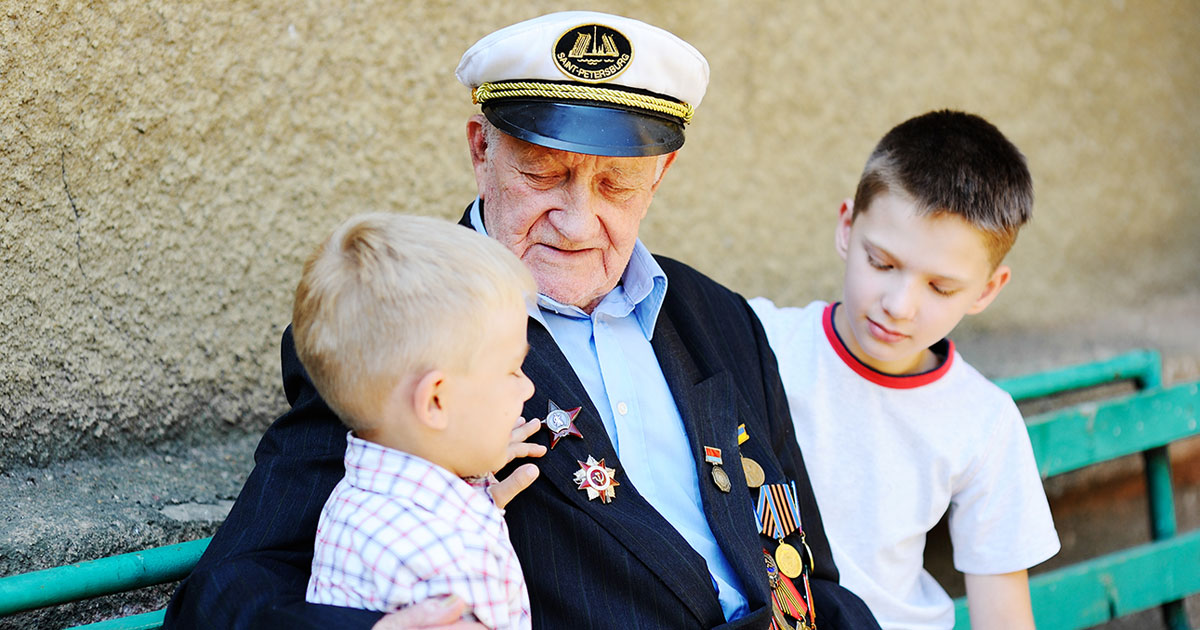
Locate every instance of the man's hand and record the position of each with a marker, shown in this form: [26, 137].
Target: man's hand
[441, 613]
[503, 491]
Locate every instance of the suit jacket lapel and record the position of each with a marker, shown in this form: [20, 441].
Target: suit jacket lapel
[711, 409]
[628, 517]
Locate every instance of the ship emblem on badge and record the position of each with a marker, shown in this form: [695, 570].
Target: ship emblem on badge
[597, 479]
[592, 53]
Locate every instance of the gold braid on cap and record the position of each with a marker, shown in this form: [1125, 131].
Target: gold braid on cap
[561, 91]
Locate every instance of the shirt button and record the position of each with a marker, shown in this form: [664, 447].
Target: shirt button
[622, 408]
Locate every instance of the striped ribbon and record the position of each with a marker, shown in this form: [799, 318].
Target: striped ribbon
[777, 513]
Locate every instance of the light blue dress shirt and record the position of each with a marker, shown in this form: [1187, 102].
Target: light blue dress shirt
[611, 353]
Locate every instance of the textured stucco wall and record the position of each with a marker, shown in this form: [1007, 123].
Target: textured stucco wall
[166, 167]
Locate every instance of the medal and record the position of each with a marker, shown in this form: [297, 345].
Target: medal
[721, 479]
[755, 476]
[712, 455]
[788, 560]
[778, 516]
[562, 423]
[772, 570]
[742, 435]
[597, 479]
[787, 599]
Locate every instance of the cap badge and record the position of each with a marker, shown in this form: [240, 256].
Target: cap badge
[592, 53]
[597, 479]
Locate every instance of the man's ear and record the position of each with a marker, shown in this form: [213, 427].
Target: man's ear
[477, 143]
[1000, 277]
[841, 238]
[670, 159]
[428, 402]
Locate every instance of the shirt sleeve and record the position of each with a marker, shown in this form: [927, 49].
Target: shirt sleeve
[999, 518]
[463, 565]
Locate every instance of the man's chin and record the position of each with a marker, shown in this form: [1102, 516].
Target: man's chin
[571, 295]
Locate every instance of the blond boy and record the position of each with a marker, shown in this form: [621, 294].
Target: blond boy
[895, 426]
[413, 331]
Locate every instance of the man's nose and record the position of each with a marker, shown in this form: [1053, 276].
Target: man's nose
[577, 217]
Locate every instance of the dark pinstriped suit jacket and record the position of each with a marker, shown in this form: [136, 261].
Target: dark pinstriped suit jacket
[588, 564]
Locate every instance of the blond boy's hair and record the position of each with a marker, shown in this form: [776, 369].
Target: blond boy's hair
[953, 163]
[388, 296]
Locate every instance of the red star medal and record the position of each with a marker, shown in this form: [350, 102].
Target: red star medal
[596, 479]
[562, 423]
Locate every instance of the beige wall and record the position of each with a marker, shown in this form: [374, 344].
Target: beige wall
[168, 165]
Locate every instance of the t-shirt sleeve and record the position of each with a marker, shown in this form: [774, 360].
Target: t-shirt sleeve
[999, 518]
[770, 316]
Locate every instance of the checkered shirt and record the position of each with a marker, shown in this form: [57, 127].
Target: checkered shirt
[398, 529]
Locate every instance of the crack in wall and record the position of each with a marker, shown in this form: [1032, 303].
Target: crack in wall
[79, 243]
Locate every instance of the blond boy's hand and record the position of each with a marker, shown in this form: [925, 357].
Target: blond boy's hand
[504, 490]
[441, 613]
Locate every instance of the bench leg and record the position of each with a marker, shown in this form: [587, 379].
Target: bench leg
[1162, 519]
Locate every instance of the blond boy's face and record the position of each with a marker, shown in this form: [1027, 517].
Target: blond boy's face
[909, 280]
[485, 399]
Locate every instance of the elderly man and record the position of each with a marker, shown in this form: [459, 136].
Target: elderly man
[673, 494]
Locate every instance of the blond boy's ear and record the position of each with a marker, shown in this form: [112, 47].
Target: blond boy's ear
[1000, 277]
[427, 401]
[841, 238]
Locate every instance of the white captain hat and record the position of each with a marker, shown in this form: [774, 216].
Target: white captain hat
[587, 82]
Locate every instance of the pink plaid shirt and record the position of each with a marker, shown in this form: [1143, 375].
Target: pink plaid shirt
[398, 529]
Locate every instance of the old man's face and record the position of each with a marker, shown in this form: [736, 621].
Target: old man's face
[571, 218]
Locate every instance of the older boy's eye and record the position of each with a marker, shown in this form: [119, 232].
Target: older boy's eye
[877, 264]
[942, 291]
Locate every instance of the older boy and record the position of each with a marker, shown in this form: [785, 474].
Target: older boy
[413, 331]
[897, 426]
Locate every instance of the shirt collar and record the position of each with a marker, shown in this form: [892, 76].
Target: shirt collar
[376, 468]
[642, 289]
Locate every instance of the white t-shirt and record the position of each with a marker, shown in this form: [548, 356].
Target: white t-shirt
[888, 455]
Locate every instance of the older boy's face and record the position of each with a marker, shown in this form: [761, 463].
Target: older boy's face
[571, 218]
[909, 280]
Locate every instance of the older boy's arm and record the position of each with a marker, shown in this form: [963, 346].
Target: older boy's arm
[999, 601]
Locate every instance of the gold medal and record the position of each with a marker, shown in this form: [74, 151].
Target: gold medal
[755, 476]
[788, 560]
[721, 479]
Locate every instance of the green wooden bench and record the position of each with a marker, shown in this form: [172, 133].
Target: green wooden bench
[1158, 573]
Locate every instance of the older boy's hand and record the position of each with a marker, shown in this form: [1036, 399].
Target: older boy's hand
[441, 613]
[507, 488]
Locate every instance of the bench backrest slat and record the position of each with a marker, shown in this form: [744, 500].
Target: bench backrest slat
[114, 574]
[1143, 366]
[1090, 433]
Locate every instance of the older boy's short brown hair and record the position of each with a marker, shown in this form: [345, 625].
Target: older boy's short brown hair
[389, 295]
[949, 162]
